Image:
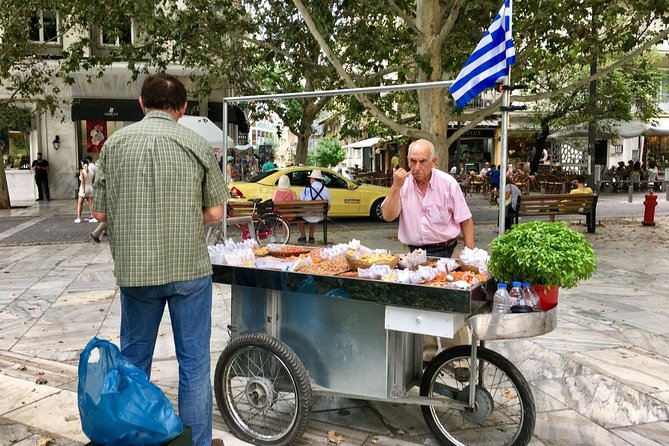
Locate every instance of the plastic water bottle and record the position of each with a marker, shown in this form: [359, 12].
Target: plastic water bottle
[516, 294]
[501, 302]
[531, 297]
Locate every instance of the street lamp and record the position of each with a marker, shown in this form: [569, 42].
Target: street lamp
[56, 142]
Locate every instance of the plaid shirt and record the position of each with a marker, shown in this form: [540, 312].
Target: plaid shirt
[153, 179]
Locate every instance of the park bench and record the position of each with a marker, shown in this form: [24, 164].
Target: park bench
[291, 211]
[550, 205]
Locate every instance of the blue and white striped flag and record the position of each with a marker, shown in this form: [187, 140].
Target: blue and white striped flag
[490, 60]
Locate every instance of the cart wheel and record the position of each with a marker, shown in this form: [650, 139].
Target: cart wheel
[271, 228]
[505, 411]
[213, 233]
[262, 390]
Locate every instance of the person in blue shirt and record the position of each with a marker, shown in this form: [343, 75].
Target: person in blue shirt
[494, 183]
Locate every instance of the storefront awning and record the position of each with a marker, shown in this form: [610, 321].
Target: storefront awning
[607, 130]
[85, 109]
[369, 142]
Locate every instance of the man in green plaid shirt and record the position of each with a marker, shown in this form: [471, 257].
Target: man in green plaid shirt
[157, 185]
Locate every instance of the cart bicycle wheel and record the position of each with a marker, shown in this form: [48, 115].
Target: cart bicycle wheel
[271, 228]
[262, 390]
[504, 413]
[213, 233]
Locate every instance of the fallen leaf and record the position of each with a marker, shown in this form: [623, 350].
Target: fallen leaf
[400, 432]
[628, 346]
[71, 418]
[621, 330]
[335, 438]
[375, 440]
[45, 441]
[41, 380]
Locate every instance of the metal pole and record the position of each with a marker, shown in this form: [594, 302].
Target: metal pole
[225, 170]
[362, 90]
[502, 175]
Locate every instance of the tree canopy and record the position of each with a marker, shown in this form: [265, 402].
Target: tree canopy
[267, 46]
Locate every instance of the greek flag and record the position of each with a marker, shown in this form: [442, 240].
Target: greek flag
[490, 60]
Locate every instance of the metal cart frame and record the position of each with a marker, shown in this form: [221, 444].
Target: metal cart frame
[295, 334]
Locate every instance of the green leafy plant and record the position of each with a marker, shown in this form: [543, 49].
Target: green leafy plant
[542, 253]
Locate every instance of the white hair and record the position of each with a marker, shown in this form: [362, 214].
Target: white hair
[422, 142]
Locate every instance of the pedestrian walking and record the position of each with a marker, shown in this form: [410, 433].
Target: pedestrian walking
[85, 192]
[158, 183]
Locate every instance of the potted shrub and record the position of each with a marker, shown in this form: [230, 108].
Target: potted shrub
[549, 255]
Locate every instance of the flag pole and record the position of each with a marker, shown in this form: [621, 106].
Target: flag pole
[506, 93]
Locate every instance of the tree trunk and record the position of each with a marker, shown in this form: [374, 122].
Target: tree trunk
[432, 102]
[304, 132]
[4, 189]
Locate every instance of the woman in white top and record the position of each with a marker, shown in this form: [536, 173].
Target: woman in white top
[85, 192]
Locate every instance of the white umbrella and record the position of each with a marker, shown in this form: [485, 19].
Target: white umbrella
[207, 129]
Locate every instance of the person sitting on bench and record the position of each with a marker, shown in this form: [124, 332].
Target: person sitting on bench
[315, 190]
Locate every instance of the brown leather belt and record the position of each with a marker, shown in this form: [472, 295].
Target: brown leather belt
[451, 242]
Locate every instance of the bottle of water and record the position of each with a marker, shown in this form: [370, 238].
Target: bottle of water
[531, 297]
[516, 294]
[501, 302]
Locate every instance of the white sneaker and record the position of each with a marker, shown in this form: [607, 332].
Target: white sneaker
[92, 220]
[77, 220]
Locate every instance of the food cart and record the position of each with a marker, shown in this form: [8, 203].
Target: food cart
[294, 335]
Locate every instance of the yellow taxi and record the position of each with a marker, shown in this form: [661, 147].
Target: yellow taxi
[349, 198]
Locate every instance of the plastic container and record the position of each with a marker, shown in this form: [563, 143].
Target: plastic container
[531, 297]
[516, 293]
[501, 302]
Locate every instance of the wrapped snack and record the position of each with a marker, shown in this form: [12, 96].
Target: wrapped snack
[476, 259]
[446, 265]
[427, 273]
[374, 271]
[403, 276]
[460, 284]
[413, 259]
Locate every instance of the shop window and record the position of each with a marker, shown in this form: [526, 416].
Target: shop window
[44, 27]
[15, 150]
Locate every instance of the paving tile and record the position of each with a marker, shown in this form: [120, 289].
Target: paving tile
[649, 434]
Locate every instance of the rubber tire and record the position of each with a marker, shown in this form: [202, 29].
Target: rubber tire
[375, 212]
[505, 366]
[297, 372]
[275, 224]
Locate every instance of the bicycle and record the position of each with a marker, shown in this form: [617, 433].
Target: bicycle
[269, 227]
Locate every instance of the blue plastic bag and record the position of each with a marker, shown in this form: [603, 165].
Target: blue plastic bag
[118, 405]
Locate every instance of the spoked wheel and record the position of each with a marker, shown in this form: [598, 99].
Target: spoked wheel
[214, 233]
[271, 228]
[262, 390]
[504, 411]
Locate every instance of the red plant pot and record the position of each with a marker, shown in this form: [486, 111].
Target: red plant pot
[548, 296]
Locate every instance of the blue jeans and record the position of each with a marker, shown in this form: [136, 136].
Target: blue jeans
[189, 304]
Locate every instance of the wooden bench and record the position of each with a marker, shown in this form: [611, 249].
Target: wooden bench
[291, 211]
[550, 205]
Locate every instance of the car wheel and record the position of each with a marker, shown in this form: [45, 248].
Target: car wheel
[376, 213]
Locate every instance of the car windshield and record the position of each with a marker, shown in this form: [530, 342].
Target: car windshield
[262, 175]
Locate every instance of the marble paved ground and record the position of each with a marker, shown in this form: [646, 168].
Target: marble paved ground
[602, 377]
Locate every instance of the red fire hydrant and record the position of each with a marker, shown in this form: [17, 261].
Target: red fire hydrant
[649, 209]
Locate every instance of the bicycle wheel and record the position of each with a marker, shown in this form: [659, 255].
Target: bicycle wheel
[271, 228]
[213, 233]
[262, 390]
[505, 411]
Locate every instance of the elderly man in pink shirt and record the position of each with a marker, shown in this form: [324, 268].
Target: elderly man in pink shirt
[430, 205]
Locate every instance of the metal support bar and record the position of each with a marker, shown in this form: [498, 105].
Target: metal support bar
[473, 374]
